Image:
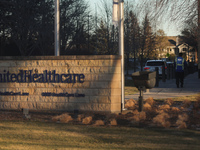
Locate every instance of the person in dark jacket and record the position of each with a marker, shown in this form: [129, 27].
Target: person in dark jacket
[180, 65]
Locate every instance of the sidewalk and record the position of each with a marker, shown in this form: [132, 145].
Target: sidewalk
[168, 89]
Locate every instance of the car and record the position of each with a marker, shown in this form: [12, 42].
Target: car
[170, 64]
[152, 64]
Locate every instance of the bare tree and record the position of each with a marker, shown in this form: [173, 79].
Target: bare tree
[23, 25]
[180, 12]
[74, 17]
[177, 11]
[189, 34]
[161, 41]
[29, 24]
[135, 36]
[127, 37]
[106, 10]
[45, 26]
[147, 40]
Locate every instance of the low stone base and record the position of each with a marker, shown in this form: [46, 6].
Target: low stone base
[67, 83]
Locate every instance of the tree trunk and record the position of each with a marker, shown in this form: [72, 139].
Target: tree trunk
[134, 60]
[127, 63]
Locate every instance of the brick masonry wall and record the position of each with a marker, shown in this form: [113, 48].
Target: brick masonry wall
[101, 89]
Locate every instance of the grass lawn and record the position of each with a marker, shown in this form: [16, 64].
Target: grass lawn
[29, 135]
[183, 98]
[19, 134]
[129, 88]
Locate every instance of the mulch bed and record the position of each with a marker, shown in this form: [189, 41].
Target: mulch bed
[166, 114]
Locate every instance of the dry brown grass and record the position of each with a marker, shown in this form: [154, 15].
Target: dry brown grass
[55, 118]
[99, 123]
[130, 104]
[175, 110]
[162, 120]
[142, 116]
[164, 107]
[80, 117]
[166, 113]
[169, 101]
[186, 103]
[64, 118]
[135, 112]
[181, 122]
[150, 101]
[197, 103]
[87, 120]
[137, 116]
[113, 122]
[147, 107]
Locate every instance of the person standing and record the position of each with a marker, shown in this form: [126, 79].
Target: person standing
[180, 65]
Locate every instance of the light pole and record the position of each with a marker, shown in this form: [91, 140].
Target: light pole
[57, 28]
[121, 46]
[118, 20]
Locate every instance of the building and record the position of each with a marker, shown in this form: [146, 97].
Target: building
[177, 45]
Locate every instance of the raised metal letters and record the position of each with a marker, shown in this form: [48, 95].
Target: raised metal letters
[46, 77]
[62, 94]
[13, 94]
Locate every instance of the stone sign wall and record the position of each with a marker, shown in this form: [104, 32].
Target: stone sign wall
[66, 83]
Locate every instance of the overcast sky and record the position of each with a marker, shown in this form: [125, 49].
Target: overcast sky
[168, 27]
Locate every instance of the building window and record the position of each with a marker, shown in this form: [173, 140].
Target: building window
[184, 49]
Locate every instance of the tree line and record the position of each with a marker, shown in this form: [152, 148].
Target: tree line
[184, 14]
[27, 28]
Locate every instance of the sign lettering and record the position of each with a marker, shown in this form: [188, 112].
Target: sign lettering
[25, 76]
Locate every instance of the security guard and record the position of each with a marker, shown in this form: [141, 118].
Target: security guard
[180, 65]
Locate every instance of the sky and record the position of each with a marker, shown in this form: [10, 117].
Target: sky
[169, 28]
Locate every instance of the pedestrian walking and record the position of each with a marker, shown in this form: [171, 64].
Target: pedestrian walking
[180, 65]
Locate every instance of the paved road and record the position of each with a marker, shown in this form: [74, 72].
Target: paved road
[168, 89]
